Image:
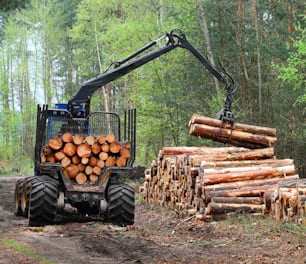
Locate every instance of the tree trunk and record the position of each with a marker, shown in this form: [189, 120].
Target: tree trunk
[258, 130]
[198, 160]
[238, 200]
[261, 173]
[207, 40]
[231, 136]
[222, 208]
[254, 6]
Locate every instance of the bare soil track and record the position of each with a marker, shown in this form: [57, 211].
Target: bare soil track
[159, 235]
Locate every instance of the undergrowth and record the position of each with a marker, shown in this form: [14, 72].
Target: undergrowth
[20, 248]
[21, 166]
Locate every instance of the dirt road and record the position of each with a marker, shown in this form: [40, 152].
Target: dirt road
[158, 236]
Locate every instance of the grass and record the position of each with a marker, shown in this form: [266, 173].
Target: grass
[20, 166]
[19, 248]
[248, 224]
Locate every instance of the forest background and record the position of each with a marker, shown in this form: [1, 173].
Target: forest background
[49, 48]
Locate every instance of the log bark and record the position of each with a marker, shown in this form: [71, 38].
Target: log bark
[254, 154]
[222, 208]
[238, 200]
[220, 171]
[243, 192]
[243, 163]
[263, 173]
[259, 130]
[236, 138]
[183, 150]
[249, 183]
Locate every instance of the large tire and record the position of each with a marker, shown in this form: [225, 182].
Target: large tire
[25, 195]
[18, 194]
[121, 199]
[43, 202]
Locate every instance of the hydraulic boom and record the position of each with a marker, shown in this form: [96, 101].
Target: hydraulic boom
[175, 38]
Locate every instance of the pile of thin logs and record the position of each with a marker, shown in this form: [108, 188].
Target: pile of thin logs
[288, 201]
[83, 158]
[241, 135]
[214, 182]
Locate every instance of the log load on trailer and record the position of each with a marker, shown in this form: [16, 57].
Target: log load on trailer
[80, 154]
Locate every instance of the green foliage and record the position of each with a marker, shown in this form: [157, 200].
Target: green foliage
[50, 47]
[294, 69]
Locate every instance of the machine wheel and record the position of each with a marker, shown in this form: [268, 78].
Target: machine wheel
[42, 202]
[18, 194]
[25, 195]
[121, 208]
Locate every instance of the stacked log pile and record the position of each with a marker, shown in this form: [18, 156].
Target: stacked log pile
[213, 182]
[241, 135]
[83, 158]
[288, 201]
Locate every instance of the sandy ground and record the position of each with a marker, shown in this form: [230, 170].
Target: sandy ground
[159, 235]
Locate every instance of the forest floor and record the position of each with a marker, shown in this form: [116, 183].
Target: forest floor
[159, 235]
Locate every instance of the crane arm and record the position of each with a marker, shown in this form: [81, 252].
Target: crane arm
[175, 38]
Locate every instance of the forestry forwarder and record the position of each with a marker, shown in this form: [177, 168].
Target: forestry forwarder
[41, 197]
